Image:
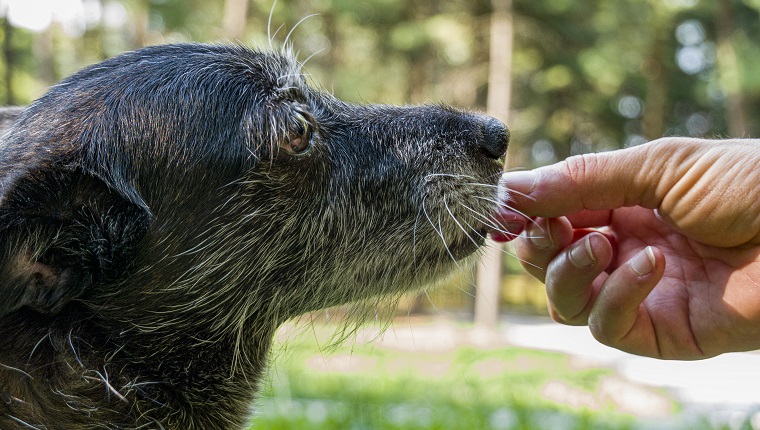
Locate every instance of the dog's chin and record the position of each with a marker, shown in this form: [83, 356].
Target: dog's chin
[467, 245]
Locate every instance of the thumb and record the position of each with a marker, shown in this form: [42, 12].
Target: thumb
[601, 181]
[705, 189]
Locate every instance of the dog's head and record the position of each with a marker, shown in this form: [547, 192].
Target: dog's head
[212, 181]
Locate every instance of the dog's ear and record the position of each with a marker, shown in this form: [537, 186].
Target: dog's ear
[61, 232]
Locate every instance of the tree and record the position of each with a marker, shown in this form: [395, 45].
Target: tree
[728, 61]
[499, 96]
[9, 60]
[234, 19]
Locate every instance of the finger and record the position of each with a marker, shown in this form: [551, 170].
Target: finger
[590, 219]
[641, 176]
[618, 318]
[542, 240]
[571, 276]
[578, 234]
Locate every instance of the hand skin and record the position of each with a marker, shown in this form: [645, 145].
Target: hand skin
[673, 230]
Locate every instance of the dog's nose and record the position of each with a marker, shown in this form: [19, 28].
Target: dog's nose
[495, 138]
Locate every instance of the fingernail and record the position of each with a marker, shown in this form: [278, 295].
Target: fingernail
[540, 238]
[581, 254]
[643, 262]
[522, 182]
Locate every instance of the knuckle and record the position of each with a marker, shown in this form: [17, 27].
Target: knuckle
[581, 172]
[556, 317]
[672, 140]
[563, 315]
[534, 261]
[578, 167]
[600, 332]
[577, 320]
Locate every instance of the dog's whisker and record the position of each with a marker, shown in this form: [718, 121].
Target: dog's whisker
[490, 222]
[511, 254]
[303, 63]
[438, 230]
[480, 184]
[277, 31]
[449, 175]
[516, 169]
[290, 33]
[414, 235]
[527, 218]
[454, 218]
[512, 191]
[446, 245]
[270, 36]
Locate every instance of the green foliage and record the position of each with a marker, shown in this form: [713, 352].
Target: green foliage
[587, 76]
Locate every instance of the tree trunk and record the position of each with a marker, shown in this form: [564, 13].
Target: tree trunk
[333, 55]
[235, 18]
[91, 42]
[44, 52]
[499, 94]
[653, 121]
[728, 66]
[9, 58]
[140, 12]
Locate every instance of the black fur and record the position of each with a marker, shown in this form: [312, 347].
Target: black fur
[163, 212]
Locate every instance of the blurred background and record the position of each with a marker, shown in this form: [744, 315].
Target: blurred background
[568, 77]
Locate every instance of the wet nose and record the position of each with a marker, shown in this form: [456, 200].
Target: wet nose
[495, 138]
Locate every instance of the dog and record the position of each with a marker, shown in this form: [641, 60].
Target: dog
[164, 211]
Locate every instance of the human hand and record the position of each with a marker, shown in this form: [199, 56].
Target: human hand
[656, 248]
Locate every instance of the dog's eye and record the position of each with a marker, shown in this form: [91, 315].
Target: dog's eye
[300, 135]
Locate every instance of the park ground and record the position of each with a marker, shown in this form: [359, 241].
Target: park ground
[441, 373]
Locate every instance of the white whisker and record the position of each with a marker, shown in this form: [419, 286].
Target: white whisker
[449, 175]
[438, 231]
[303, 63]
[504, 251]
[290, 33]
[430, 300]
[278, 30]
[269, 25]
[531, 220]
[509, 190]
[414, 236]
[445, 245]
[480, 184]
[453, 217]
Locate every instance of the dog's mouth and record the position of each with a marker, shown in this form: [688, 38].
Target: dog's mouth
[506, 224]
[467, 221]
[503, 226]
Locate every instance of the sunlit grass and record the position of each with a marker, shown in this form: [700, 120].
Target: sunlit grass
[374, 387]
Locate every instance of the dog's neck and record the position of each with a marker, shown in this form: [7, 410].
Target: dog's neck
[192, 385]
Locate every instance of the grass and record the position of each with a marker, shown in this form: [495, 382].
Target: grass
[366, 386]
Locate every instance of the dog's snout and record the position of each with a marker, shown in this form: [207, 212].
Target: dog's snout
[495, 138]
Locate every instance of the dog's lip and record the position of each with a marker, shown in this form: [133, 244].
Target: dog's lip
[467, 244]
[506, 224]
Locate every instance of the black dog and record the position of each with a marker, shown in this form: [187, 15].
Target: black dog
[162, 212]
